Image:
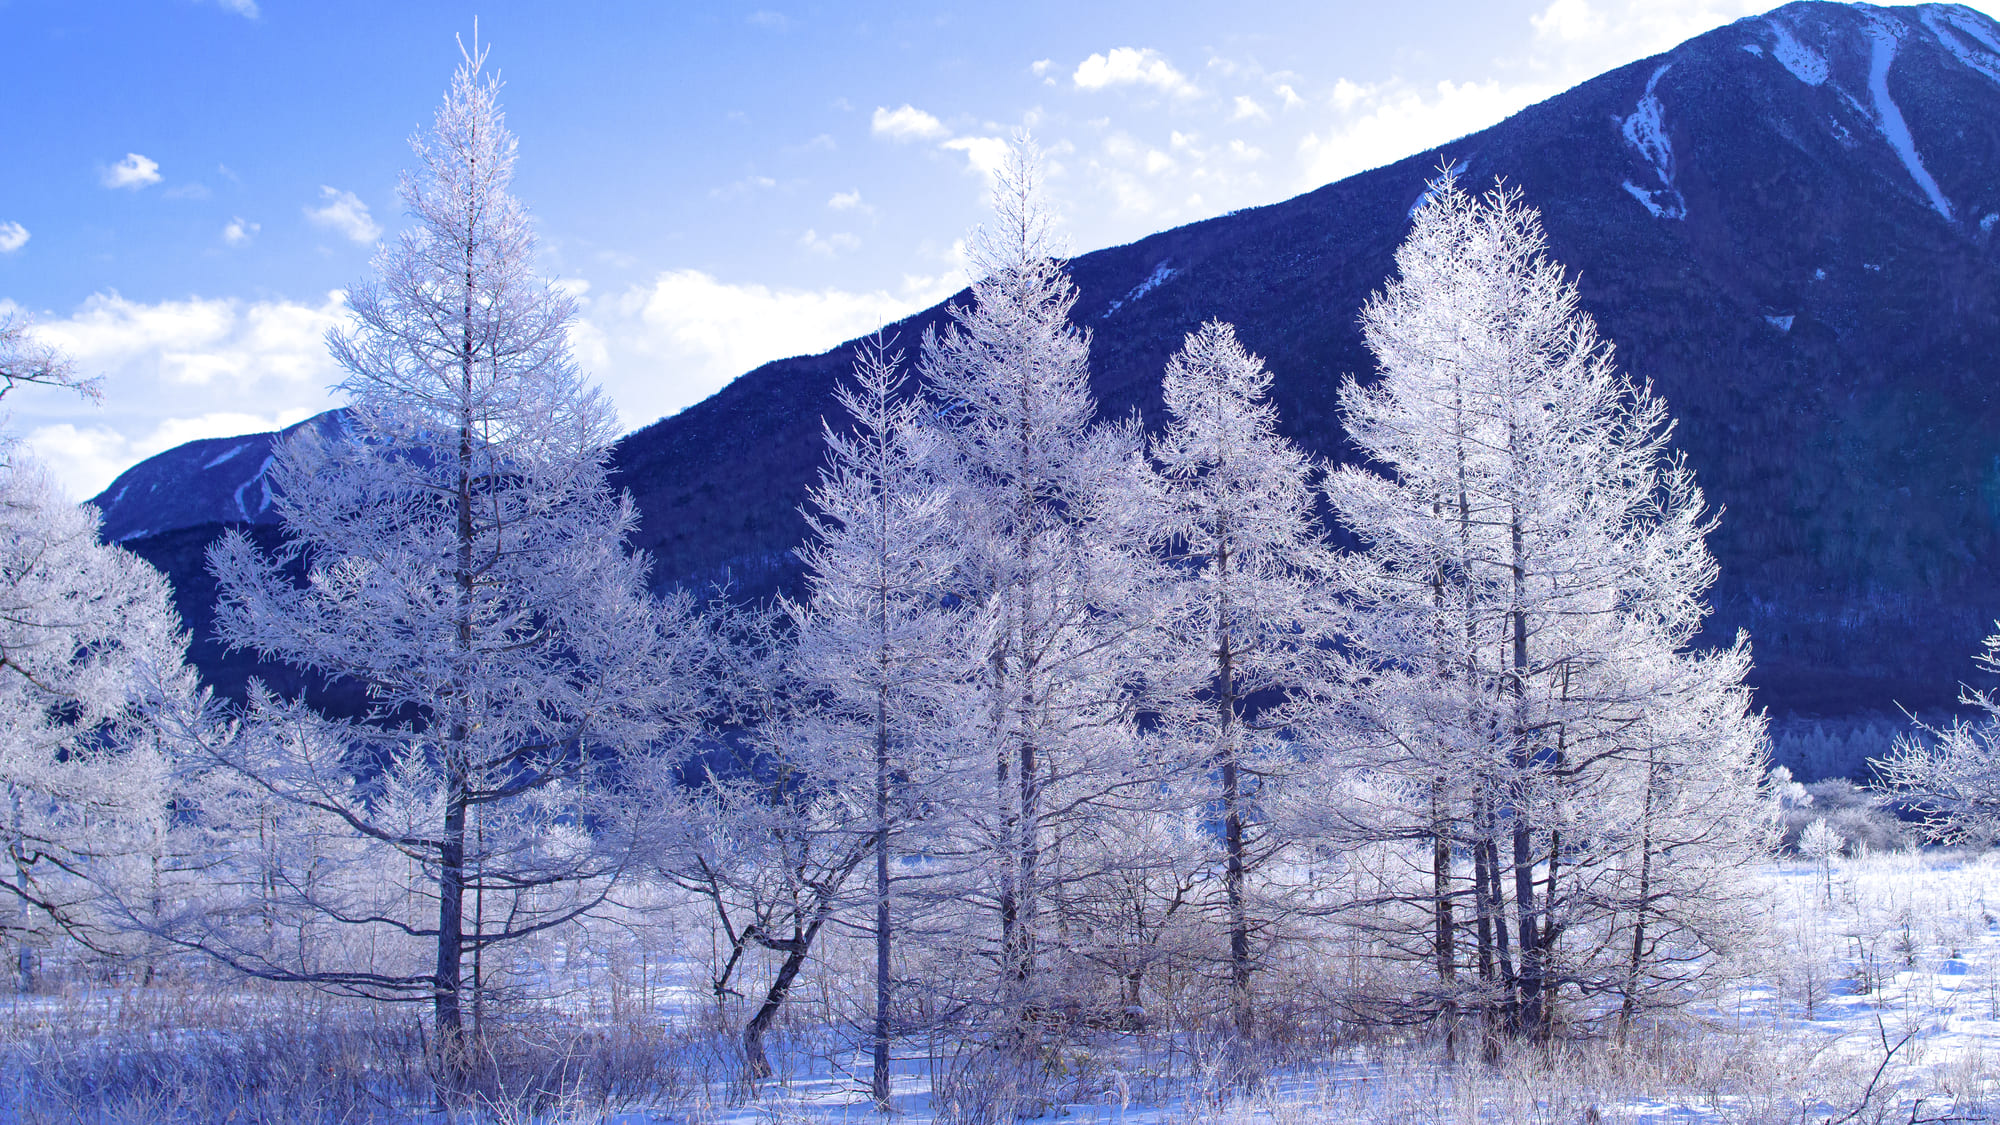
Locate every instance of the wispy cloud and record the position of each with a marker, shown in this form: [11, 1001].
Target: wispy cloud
[239, 231]
[907, 124]
[848, 201]
[829, 245]
[669, 343]
[175, 371]
[13, 236]
[745, 186]
[133, 172]
[345, 214]
[245, 8]
[984, 155]
[1132, 66]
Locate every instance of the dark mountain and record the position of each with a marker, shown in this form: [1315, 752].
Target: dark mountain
[1786, 224]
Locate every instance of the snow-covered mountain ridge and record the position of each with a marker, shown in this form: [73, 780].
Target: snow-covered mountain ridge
[1786, 224]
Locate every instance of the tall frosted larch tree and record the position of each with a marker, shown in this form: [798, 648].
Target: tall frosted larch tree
[466, 563]
[877, 636]
[1236, 510]
[1951, 773]
[1517, 624]
[90, 645]
[1046, 512]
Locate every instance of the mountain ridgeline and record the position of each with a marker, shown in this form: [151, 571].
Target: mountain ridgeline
[1787, 225]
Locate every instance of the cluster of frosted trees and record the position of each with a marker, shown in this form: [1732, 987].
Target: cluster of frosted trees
[1058, 701]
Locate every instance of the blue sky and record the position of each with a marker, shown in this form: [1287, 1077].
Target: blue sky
[193, 182]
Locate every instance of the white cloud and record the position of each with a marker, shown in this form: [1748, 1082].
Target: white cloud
[663, 346]
[907, 124]
[174, 371]
[1247, 109]
[743, 187]
[13, 236]
[86, 459]
[1568, 20]
[1576, 39]
[848, 201]
[239, 231]
[770, 21]
[133, 172]
[1389, 124]
[344, 213]
[245, 8]
[984, 155]
[830, 245]
[1291, 97]
[1130, 66]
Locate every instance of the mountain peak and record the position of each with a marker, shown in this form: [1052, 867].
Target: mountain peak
[211, 480]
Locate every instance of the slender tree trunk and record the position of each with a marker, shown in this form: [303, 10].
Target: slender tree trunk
[1532, 1013]
[478, 931]
[1232, 797]
[1636, 961]
[457, 751]
[451, 926]
[879, 1079]
[757, 1064]
[1443, 942]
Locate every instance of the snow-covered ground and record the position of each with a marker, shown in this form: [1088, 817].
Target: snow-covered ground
[1876, 999]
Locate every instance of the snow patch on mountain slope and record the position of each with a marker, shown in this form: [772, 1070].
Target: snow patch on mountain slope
[1457, 169]
[1984, 61]
[265, 502]
[1161, 273]
[1883, 42]
[1806, 64]
[233, 451]
[1646, 131]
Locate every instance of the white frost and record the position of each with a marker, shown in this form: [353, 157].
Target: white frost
[233, 451]
[257, 478]
[1154, 280]
[1646, 131]
[1457, 169]
[1985, 62]
[1890, 119]
[1806, 64]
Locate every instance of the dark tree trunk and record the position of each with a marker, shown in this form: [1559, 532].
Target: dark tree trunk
[879, 1078]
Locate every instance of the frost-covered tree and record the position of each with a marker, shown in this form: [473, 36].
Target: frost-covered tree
[25, 360]
[1236, 513]
[89, 646]
[1046, 512]
[1516, 628]
[878, 643]
[769, 823]
[465, 562]
[1951, 772]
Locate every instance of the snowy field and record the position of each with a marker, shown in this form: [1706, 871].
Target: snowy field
[1877, 999]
